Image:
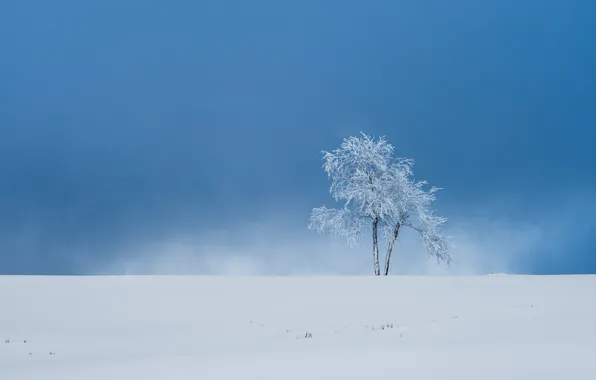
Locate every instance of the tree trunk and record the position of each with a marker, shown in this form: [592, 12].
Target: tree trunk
[390, 248]
[376, 246]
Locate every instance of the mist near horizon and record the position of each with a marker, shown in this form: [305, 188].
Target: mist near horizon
[276, 244]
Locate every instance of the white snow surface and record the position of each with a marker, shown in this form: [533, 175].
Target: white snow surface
[185, 327]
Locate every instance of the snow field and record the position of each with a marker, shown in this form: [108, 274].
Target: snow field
[164, 327]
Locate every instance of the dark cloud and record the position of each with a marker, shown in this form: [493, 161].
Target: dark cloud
[122, 124]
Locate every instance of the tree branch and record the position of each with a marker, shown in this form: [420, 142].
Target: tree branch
[414, 228]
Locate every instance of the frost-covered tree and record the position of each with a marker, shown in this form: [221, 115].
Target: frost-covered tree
[377, 191]
[360, 177]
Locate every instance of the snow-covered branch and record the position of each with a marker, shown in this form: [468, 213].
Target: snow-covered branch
[436, 242]
[340, 223]
[360, 175]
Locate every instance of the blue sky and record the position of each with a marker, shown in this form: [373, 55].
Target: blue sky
[177, 136]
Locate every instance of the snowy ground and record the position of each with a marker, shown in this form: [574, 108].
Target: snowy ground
[488, 327]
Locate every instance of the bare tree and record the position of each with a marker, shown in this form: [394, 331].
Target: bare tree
[377, 191]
